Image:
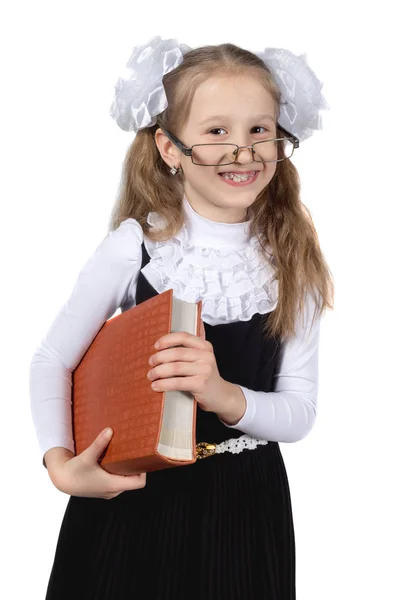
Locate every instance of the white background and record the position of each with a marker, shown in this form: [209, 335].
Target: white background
[61, 162]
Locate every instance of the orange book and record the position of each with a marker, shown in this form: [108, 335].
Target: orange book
[152, 430]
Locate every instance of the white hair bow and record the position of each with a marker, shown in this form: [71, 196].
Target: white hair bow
[140, 96]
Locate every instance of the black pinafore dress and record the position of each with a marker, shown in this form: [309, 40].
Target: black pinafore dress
[220, 529]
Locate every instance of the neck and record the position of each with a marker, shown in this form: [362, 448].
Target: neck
[215, 213]
[214, 234]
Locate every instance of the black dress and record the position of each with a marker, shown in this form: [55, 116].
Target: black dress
[220, 529]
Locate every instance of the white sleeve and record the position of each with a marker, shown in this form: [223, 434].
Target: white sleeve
[98, 292]
[287, 414]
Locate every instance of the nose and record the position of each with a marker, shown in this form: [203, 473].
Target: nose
[244, 155]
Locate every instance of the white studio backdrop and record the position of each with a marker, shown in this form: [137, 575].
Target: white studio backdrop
[61, 162]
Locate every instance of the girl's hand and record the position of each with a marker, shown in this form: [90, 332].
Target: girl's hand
[83, 476]
[191, 368]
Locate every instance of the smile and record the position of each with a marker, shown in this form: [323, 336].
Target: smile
[239, 178]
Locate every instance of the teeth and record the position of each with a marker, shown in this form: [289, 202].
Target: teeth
[236, 177]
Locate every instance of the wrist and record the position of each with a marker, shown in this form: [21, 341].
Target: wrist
[55, 457]
[234, 405]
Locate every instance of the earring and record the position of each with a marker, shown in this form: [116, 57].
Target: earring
[175, 170]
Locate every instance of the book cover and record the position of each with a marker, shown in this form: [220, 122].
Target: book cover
[152, 430]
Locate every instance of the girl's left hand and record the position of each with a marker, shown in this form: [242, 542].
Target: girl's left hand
[191, 367]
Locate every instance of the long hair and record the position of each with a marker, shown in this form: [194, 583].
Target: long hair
[278, 217]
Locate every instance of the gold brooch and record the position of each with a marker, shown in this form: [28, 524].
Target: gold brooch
[204, 449]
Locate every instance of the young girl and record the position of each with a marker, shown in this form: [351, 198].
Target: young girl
[209, 206]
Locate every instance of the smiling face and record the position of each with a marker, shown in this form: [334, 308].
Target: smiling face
[229, 109]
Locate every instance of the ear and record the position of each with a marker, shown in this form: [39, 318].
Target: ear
[168, 151]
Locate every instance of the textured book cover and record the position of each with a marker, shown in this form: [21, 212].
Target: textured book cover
[110, 388]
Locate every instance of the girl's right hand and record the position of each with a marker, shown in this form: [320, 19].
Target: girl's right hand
[83, 476]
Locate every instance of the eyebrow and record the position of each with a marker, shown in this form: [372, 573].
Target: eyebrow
[225, 117]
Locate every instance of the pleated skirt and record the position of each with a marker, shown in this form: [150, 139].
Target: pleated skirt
[221, 529]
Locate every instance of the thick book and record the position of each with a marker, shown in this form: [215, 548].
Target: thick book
[152, 430]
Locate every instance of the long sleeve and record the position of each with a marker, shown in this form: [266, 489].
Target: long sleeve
[287, 414]
[98, 292]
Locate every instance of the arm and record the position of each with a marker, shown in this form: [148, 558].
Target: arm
[98, 293]
[287, 414]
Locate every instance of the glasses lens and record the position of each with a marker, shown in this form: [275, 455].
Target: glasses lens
[267, 151]
[224, 154]
[213, 154]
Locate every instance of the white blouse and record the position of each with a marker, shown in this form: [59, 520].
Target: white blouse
[208, 260]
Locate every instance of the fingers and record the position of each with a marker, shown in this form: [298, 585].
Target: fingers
[97, 447]
[179, 369]
[120, 483]
[171, 355]
[181, 338]
[116, 484]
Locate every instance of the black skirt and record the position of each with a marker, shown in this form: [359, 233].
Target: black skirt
[220, 529]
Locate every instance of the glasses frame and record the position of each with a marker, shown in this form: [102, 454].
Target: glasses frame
[188, 151]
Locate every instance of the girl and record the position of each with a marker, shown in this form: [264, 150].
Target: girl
[209, 206]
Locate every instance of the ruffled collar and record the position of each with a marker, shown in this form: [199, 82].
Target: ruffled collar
[218, 263]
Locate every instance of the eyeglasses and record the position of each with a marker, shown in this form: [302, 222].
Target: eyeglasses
[220, 154]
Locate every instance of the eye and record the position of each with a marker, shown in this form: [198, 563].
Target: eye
[261, 127]
[217, 129]
[222, 129]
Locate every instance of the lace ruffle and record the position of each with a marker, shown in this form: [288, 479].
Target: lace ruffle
[242, 285]
[237, 445]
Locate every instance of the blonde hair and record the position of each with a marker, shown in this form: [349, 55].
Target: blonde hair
[278, 217]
